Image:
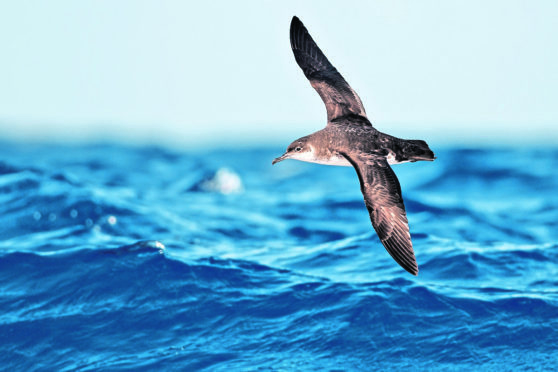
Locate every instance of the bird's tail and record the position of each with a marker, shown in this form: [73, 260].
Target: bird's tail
[419, 150]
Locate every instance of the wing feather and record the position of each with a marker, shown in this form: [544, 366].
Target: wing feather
[339, 98]
[383, 199]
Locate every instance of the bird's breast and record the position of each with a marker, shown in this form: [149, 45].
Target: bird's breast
[330, 158]
[333, 160]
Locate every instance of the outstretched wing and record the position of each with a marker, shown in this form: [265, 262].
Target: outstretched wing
[382, 196]
[339, 98]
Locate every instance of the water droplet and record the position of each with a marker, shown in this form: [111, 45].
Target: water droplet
[51, 217]
[73, 213]
[88, 222]
[37, 215]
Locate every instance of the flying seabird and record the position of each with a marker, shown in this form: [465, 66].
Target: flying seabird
[349, 139]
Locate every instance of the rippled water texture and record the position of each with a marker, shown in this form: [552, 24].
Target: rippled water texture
[121, 258]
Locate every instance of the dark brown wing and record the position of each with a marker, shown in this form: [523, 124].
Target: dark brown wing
[339, 98]
[382, 196]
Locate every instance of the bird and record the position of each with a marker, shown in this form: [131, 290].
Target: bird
[349, 139]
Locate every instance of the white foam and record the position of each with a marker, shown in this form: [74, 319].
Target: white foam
[224, 181]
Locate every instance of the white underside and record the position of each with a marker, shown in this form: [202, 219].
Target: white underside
[391, 159]
[309, 157]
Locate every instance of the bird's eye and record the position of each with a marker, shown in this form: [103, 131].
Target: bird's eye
[298, 149]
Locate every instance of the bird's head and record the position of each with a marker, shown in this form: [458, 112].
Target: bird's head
[299, 149]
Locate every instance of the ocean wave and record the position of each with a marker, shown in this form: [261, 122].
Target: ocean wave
[134, 291]
[116, 258]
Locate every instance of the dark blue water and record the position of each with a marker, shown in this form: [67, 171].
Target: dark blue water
[123, 258]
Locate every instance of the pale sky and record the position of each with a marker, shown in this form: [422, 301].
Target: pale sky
[222, 72]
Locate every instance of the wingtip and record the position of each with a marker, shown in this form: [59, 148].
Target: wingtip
[296, 23]
[411, 269]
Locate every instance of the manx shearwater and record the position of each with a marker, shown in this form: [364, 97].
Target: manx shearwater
[349, 139]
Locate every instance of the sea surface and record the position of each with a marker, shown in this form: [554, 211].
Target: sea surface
[123, 258]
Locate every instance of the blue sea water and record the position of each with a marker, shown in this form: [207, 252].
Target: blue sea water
[142, 258]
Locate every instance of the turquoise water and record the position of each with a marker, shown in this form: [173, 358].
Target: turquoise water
[141, 258]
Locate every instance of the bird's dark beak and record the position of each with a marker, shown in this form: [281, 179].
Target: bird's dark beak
[280, 158]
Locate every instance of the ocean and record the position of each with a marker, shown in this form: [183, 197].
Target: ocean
[128, 258]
